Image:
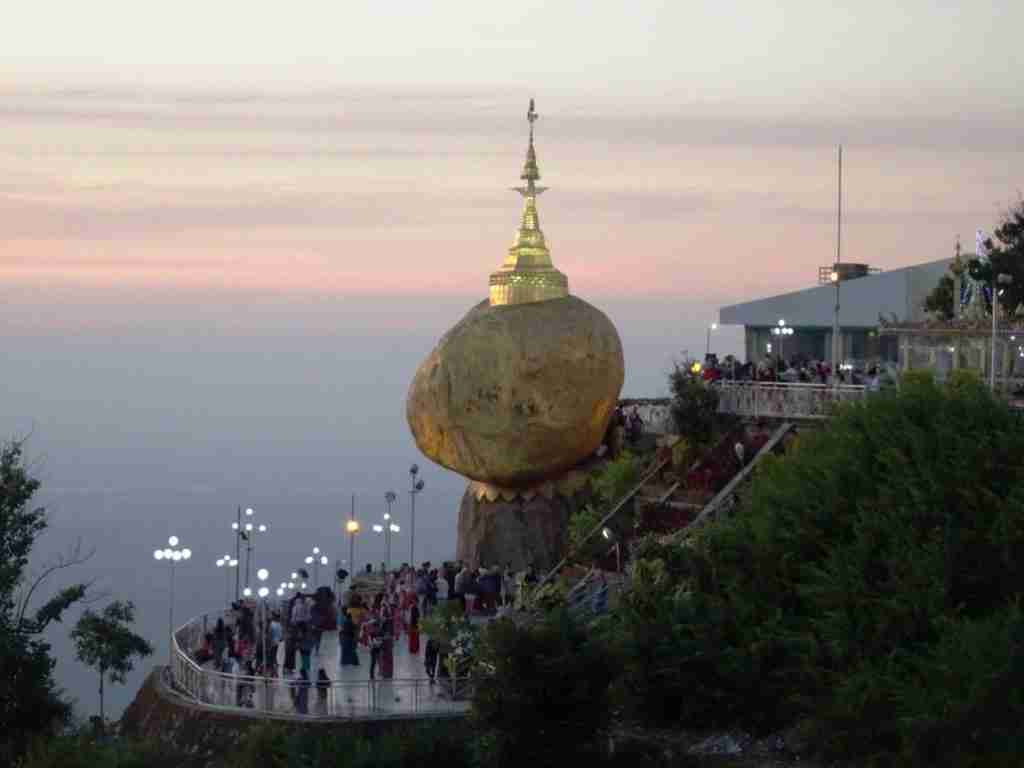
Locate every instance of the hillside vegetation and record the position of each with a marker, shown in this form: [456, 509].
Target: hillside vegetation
[863, 598]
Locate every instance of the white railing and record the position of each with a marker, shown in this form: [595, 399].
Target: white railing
[784, 399]
[291, 698]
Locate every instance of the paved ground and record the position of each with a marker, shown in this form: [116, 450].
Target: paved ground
[350, 694]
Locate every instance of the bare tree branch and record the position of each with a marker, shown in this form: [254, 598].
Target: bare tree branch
[74, 556]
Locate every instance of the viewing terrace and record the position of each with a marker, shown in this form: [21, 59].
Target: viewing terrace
[348, 695]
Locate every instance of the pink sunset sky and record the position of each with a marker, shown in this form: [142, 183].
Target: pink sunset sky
[690, 152]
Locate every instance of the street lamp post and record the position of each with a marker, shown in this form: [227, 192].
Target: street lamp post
[237, 528]
[610, 536]
[997, 280]
[263, 574]
[246, 531]
[707, 348]
[317, 559]
[782, 331]
[388, 526]
[352, 528]
[298, 577]
[173, 557]
[417, 486]
[389, 498]
[227, 563]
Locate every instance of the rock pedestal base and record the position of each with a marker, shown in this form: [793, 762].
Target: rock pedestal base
[519, 531]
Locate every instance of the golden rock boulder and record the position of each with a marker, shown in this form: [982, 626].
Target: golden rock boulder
[516, 394]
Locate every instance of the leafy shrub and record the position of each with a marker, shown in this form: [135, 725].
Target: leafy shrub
[610, 483]
[694, 406]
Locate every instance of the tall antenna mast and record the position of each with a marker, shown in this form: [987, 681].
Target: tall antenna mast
[839, 209]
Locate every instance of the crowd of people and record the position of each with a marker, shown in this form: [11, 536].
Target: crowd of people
[793, 370]
[283, 642]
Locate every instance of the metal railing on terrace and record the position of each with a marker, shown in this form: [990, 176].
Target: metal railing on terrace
[289, 698]
[784, 400]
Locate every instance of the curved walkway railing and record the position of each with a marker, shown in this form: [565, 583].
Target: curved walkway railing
[788, 400]
[290, 698]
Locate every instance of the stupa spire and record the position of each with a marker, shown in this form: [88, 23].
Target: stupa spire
[527, 274]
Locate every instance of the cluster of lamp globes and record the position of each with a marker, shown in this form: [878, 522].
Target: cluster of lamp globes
[172, 555]
[782, 330]
[262, 574]
[249, 527]
[391, 526]
[310, 559]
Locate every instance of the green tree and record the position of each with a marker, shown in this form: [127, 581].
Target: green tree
[545, 691]
[940, 301]
[694, 406]
[30, 702]
[106, 642]
[1006, 255]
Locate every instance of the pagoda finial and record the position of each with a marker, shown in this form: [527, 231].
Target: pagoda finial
[527, 273]
[531, 172]
[958, 266]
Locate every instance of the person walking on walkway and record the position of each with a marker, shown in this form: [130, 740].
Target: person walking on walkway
[306, 641]
[347, 638]
[275, 634]
[430, 658]
[414, 630]
[300, 693]
[376, 644]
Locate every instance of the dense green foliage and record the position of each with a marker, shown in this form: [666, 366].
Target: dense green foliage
[694, 406]
[30, 703]
[106, 642]
[1006, 255]
[940, 301]
[426, 745]
[545, 694]
[1005, 252]
[868, 585]
[610, 483]
[439, 744]
[84, 750]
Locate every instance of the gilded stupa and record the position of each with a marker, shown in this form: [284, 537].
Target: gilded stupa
[527, 275]
[522, 389]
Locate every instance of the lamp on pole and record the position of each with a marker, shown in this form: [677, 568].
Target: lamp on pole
[352, 528]
[609, 536]
[389, 498]
[417, 486]
[263, 574]
[1001, 279]
[299, 577]
[236, 526]
[227, 563]
[707, 348]
[388, 526]
[247, 532]
[782, 331]
[317, 559]
[172, 557]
